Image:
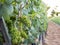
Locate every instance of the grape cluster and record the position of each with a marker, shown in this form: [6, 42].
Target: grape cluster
[25, 20]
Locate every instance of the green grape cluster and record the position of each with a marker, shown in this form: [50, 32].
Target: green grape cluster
[25, 20]
[14, 33]
[16, 36]
[23, 34]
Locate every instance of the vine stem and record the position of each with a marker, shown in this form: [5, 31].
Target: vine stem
[20, 10]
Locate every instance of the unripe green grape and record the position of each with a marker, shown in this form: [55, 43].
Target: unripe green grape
[23, 34]
[25, 21]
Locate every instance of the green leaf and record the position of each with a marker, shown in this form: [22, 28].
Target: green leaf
[9, 1]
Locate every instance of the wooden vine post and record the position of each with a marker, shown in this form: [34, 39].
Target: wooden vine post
[4, 31]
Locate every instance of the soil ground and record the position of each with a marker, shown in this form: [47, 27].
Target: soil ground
[53, 34]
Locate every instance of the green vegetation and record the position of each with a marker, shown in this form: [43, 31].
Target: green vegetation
[56, 19]
[25, 19]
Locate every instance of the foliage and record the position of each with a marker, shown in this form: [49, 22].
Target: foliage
[54, 13]
[56, 19]
[25, 19]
